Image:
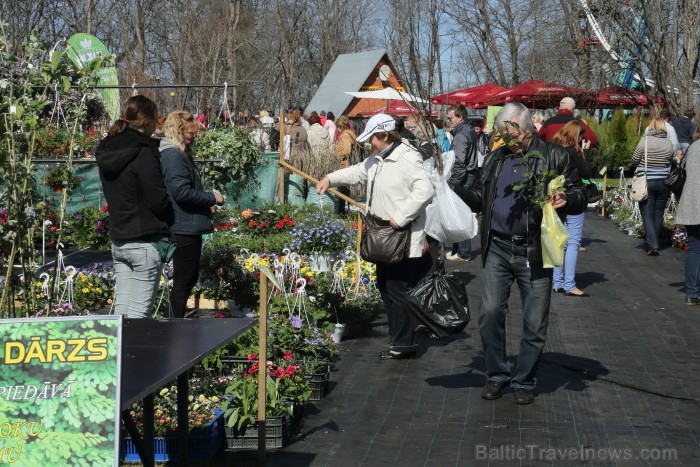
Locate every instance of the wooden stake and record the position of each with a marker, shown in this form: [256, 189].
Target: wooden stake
[605, 189]
[262, 370]
[280, 195]
[358, 242]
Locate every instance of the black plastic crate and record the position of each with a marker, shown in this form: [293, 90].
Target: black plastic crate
[276, 435]
[318, 383]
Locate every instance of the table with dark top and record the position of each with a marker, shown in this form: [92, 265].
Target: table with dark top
[155, 352]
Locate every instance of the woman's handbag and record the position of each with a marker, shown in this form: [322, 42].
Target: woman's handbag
[591, 191]
[676, 179]
[638, 190]
[381, 243]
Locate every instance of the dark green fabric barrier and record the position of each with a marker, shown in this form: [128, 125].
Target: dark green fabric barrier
[88, 193]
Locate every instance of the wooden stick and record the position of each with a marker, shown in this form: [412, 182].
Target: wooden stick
[262, 369]
[280, 174]
[358, 269]
[315, 181]
[605, 189]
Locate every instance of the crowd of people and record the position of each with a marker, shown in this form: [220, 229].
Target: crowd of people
[154, 192]
[485, 174]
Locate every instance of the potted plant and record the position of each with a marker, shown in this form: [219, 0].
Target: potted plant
[61, 178]
[285, 389]
[206, 425]
[223, 278]
[227, 155]
[321, 236]
[88, 228]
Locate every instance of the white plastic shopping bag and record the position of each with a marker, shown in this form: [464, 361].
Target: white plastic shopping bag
[449, 219]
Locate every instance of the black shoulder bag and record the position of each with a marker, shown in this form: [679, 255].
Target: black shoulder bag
[676, 179]
[381, 243]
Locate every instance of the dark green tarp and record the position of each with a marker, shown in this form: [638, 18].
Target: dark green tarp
[88, 193]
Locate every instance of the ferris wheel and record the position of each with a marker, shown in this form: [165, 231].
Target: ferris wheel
[628, 76]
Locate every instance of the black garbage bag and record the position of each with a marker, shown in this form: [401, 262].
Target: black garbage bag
[440, 303]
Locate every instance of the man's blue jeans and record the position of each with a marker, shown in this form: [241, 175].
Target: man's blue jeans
[506, 263]
[464, 248]
[565, 276]
[692, 262]
[652, 210]
[137, 271]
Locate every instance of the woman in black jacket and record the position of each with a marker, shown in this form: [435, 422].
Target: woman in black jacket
[571, 137]
[191, 203]
[139, 209]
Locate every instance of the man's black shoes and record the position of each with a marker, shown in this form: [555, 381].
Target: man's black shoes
[493, 390]
[522, 396]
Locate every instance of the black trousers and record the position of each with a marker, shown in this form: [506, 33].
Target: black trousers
[185, 271]
[394, 281]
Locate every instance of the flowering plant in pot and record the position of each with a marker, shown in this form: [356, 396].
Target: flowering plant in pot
[321, 236]
[88, 228]
[61, 178]
[201, 410]
[284, 385]
[320, 232]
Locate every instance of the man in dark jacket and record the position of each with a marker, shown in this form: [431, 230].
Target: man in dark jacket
[511, 245]
[465, 168]
[564, 115]
[684, 129]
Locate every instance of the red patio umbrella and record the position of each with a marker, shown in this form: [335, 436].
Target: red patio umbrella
[617, 96]
[535, 94]
[469, 95]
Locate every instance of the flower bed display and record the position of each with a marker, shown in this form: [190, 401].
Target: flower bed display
[204, 443]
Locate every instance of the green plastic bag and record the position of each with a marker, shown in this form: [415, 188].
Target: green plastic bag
[554, 234]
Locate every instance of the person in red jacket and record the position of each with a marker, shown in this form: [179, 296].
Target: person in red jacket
[564, 115]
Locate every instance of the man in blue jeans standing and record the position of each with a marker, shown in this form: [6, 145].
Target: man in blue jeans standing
[511, 246]
[465, 168]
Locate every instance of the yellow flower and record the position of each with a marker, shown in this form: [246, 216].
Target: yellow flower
[39, 284]
[98, 290]
[85, 290]
[163, 391]
[214, 399]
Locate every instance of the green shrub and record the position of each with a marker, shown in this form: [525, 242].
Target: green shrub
[617, 139]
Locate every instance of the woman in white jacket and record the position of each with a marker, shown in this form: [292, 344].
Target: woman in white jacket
[398, 190]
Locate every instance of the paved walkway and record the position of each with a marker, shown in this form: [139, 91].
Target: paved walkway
[619, 381]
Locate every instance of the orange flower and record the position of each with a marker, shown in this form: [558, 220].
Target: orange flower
[247, 214]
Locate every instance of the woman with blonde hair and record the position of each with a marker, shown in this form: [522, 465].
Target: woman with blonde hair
[191, 202]
[652, 157]
[570, 136]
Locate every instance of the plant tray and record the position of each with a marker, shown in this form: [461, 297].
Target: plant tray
[276, 435]
[319, 384]
[205, 443]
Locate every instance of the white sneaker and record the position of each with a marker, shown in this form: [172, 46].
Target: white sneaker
[455, 257]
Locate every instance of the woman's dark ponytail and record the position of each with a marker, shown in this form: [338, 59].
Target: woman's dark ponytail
[139, 112]
[118, 127]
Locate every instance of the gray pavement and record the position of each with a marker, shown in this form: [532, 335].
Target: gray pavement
[618, 383]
